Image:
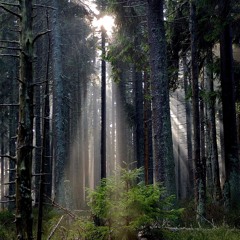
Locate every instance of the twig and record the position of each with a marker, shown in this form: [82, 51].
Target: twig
[55, 228]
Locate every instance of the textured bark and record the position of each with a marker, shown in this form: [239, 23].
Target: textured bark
[24, 220]
[212, 158]
[59, 108]
[162, 136]
[199, 171]
[231, 185]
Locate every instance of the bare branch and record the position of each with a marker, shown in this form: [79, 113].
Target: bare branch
[11, 48]
[8, 105]
[43, 6]
[71, 214]
[9, 55]
[8, 183]
[40, 34]
[10, 11]
[55, 228]
[10, 157]
[10, 4]
[9, 41]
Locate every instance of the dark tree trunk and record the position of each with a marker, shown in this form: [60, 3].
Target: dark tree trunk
[103, 107]
[231, 185]
[139, 117]
[24, 219]
[148, 151]
[59, 107]
[212, 157]
[161, 124]
[187, 86]
[199, 171]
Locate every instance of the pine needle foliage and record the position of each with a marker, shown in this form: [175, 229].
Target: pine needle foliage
[128, 207]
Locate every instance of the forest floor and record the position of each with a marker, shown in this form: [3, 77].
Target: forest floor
[60, 226]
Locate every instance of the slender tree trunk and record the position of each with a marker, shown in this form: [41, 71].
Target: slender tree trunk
[139, 117]
[200, 185]
[211, 131]
[190, 183]
[148, 153]
[162, 136]
[103, 107]
[24, 219]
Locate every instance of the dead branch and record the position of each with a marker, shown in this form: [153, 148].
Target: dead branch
[9, 41]
[71, 214]
[43, 6]
[9, 105]
[10, 48]
[40, 34]
[10, 11]
[9, 55]
[9, 183]
[55, 228]
[10, 4]
[10, 157]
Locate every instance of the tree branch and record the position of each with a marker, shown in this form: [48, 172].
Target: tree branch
[10, 157]
[8, 105]
[40, 34]
[10, 4]
[11, 48]
[9, 41]
[9, 55]
[10, 11]
[44, 6]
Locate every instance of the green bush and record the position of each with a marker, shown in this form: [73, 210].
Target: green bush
[128, 207]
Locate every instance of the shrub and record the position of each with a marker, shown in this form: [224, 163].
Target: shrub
[128, 207]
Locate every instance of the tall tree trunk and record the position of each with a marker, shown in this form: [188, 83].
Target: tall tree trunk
[211, 131]
[162, 135]
[190, 182]
[59, 108]
[200, 185]
[231, 185]
[148, 151]
[139, 117]
[24, 219]
[103, 107]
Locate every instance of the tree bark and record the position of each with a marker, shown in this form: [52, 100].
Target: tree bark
[199, 171]
[231, 185]
[24, 219]
[162, 135]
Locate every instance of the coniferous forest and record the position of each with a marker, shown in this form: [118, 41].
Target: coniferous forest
[120, 119]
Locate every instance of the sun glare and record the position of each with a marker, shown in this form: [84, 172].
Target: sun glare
[107, 22]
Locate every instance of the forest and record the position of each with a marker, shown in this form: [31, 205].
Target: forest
[120, 119]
